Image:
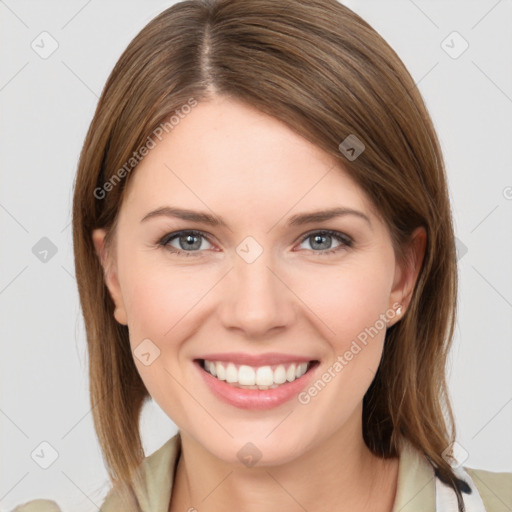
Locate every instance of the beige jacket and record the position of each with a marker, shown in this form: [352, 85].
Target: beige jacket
[415, 491]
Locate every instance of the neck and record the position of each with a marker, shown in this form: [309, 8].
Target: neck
[338, 474]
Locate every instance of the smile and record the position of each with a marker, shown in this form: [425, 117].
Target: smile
[261, 377]
[256, 382]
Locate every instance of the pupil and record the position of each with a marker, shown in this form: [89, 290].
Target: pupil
[189, 241]
[318, 240]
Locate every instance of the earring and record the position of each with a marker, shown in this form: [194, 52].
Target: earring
[399, 310]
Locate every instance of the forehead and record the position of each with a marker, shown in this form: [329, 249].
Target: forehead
[229, 157]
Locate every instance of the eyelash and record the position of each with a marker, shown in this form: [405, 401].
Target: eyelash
[345, 241]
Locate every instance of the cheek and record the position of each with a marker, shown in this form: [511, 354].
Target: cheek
[165, 303]
[157, 300]
[161, 303]
[349, 300]
[353, 304]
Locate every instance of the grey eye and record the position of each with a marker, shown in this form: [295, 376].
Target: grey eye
[188, 241]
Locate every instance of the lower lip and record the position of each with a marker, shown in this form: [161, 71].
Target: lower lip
[259, 399]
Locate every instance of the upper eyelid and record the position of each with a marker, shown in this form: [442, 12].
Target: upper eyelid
[332, 232]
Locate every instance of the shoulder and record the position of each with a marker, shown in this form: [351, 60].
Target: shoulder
[152, 494]
[38, 506]
[153, 491]
[494, 488]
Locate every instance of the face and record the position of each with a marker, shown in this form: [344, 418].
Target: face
[259, 295]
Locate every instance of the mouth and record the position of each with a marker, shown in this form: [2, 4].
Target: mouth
[260, 377]
[247, 383]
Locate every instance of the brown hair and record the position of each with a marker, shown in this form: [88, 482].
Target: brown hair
[321, 69]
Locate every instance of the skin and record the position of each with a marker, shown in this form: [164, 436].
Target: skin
[227, 159]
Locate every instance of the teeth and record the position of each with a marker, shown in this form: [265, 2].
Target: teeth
[301, 370]
[280, 374]
[231, 373]
[246, 376]
[220, 370]
[263, 377]
[290, 373]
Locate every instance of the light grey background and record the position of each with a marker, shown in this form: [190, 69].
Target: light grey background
[47, 104]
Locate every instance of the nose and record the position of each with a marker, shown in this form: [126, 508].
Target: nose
[256, 299]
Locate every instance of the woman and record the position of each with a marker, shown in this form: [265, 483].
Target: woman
[264, 246]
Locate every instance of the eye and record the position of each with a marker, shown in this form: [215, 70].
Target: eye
[323, 240]
[191, 242]
[188, 242]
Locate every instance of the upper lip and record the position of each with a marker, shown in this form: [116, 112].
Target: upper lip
[271, 358]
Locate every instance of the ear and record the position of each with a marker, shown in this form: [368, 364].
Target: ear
[110, 274]
[407, 271]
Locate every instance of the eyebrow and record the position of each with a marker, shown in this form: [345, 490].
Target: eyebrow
[213, 220]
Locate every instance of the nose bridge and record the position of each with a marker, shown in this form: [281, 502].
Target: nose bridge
[257, 300]
[255, 280]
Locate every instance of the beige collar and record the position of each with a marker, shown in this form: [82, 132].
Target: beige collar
[416, 486]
